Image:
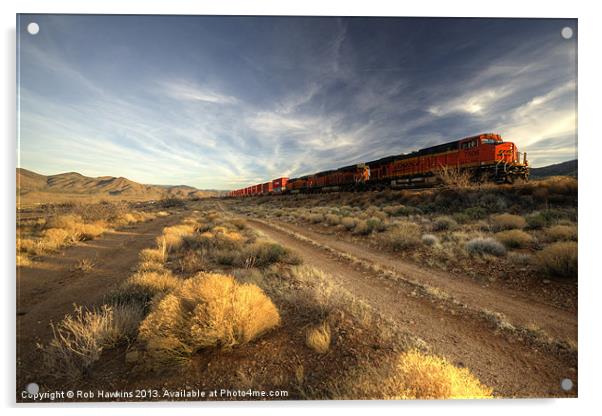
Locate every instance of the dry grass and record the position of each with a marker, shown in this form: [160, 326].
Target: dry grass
[332, 219]
[411, 375]
[84, 265]
[348, 223]
[514, 238]
[153, 255]
[421, 376]
[79, 339]
[86, 222]
[403, 235]
[173, 237]
[318, 337]
[559, 259]
[561, 233]
[362, 228]
[207, 310]
[444, 224]
[456, 178]
[430, 239]
[144, 285]
[502, 222]
[481, 246]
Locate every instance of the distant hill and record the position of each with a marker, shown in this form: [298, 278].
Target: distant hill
[33, 187]
[568, 168]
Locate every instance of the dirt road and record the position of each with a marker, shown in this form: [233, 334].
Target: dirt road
[520, 308]
[47, 290]
[503, 362]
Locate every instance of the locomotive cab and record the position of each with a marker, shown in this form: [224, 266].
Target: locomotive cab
[500, 160]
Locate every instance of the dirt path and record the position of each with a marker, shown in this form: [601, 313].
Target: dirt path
[519, 308]
[47, 290]
[511, 367]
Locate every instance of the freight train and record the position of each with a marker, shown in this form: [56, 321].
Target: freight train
[481, 158]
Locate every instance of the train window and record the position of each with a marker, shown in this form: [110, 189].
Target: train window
[488, 141]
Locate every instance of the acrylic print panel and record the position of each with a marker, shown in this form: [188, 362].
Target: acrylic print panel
[277, 208]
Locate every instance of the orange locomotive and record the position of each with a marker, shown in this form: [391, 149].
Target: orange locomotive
[485, 157]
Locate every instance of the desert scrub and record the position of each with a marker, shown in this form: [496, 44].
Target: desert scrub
[207, 310]
[318, 337]
[444, 224]
[141, 287]
[401, 236]
[480, 246]
[412, 375]
[536, 220]
[79, 339]
[559, 259]
[348, 223]
[430, 377]
[375, 224]
[361, 228]
[430, 240]
[173, 237]
[153, 255]
[514, 238]
[561, 233]
[315, 218]
[332, 219]
[263, 254]
[502, 222]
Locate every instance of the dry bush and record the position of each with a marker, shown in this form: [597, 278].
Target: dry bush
[26, 245]
[315, 218]
[403, 236]
[207, 310]
[91, 231]
[421, 376]
[430, 240]
[84, 265]
[239, 223]
[348, 223]
[412, 375]
[480, 246]
[174, 236]
[264, 254]
[561, 233]
[23, 260]
[153, 255]
[79, 339]
[143, 286]
[514, 238]
[193, 261]
[65, 222]
[361, 228]
[318, 337]
[453, 177]
[55, 238]
[332, 219]
[502, 222]
[444, 224]
[376, 224]
[562, 185]
[559, 259]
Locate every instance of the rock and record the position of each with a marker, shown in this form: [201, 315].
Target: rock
[546, 281]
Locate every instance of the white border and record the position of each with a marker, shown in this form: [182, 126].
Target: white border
[589, 154]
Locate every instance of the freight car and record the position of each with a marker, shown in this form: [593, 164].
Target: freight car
[485, 157]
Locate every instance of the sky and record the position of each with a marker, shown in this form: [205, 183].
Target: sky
[222, 102]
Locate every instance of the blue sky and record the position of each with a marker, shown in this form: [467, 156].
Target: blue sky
[225, 102]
